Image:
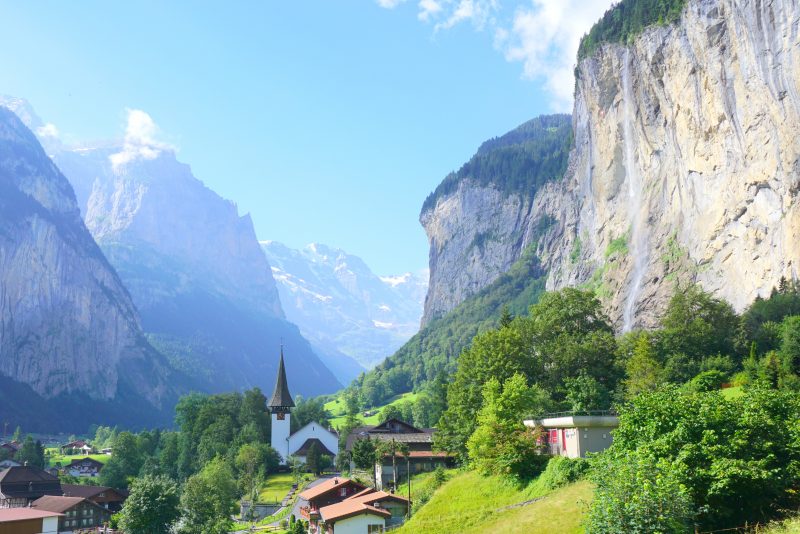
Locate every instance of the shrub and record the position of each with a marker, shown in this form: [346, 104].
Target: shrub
[707, 381]
[561, 471]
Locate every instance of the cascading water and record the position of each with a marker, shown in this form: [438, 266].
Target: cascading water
[637, 212]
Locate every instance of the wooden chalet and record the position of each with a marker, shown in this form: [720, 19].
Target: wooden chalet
[28, 521]
[77, 512]
[84, 467]
[105, 497]
[21, 485]
[331, 491]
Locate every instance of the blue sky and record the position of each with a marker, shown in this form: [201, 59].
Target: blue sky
[327, 121]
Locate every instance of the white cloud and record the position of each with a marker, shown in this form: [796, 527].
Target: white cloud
[428, 9]
[545, 38]
[140, 139]
[48, 130]
[390, 4]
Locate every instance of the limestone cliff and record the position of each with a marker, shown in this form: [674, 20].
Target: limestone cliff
[68, 327]
[686, 168]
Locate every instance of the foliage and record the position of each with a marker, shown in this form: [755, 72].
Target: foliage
[501, 444]
[520, 161]
[31, 452]
[253, 462]
[644, 370]
[363, 453]
[124, 464]
[151, 507]
[209, 499]
[628, 18]
[307, 411]
[561, 471]
[737, 458]
[565, 336]
[431, 355]
[637, 494]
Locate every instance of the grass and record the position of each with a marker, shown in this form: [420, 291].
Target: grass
[790, 526]
[337, 408]
[56, 457]
[276, 487]
[471, 503]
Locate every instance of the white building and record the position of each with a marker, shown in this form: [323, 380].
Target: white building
[298, 443]
[575, 435]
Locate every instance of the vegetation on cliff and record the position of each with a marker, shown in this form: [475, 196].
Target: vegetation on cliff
[627, 19]
[520, 161]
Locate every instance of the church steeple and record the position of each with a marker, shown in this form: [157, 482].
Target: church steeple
[281, 401]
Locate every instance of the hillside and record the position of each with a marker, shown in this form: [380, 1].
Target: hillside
[474, 504]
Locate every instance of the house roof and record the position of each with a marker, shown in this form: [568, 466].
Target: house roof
[280, 395]
[391, 429]
[79, 461]
[9, 515]
[327, 486]
[396, 426]
[54, 503]
[345, 509]
[24, 473]
[376, 496]
[421, 454]
[303, 450]
[11, 445]
[88, 492]
[78, 443]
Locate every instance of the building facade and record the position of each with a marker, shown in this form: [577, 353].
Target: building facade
[77, 513]
[574, 436]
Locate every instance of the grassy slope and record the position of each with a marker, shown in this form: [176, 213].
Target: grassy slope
[790, 526]
[470, 503]
[336, 407]
[276, 487]
[64, 460]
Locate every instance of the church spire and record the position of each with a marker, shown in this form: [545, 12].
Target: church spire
[281, 400]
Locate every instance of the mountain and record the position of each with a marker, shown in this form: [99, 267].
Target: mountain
[192, 264]
[685, 167]
[342, 307]
[680, 164]
[72, 350]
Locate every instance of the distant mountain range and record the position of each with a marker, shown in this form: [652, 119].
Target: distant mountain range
[342, 307]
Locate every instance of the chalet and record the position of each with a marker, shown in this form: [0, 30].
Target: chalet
[421, 457]
[11, 447]
[574, 436]
[78, 445]
[28, 521]
[331, 491]
[84, 467]
[77, 512]
[366, 511]
[21, 485]
[108, 498]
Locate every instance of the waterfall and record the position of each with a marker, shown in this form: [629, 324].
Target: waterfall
[637, 212]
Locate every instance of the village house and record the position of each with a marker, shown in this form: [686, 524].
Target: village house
[10, 447]
[78, 513]
[421, 457]
[21, 485]
[76, 447]
[367, 511]
[574, 436]
[108, 498]
[84, 467]
[28, 521]
[331, 491]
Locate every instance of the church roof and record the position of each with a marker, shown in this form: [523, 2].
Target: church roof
[303, 450]
[280, 395]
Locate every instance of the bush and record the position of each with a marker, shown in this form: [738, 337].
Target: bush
[637, 494]
[707, 381]
[561, 471]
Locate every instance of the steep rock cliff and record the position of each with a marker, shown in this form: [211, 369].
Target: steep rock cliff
[68, 327]
[685, 168]
[193, 266]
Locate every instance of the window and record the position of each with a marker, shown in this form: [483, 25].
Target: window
[343, 492]
[375, 529]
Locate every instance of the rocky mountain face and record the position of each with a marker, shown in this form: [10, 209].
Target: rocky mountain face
[342, 307]
[193, 266]
[69, 332]
[686, 168]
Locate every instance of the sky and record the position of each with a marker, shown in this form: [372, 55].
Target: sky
[328, 121]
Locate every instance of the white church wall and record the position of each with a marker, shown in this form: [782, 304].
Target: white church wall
[280, 435]
[314, 430]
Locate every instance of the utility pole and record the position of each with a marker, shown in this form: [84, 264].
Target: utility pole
[408, 474]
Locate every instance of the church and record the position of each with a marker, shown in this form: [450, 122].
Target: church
[298, 443]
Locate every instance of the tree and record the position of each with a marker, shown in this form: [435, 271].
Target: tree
[392, 448]
[501, 444]
[253, 462]
[392, 411]
[151, 507]
[31, 453]
[790, 344]
[644, 371]
[17, 434]
[209, 499]
[585, 393]
[313, 459]
[308, 410]
[124, 464]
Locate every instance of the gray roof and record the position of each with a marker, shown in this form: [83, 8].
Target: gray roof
[280, 396]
